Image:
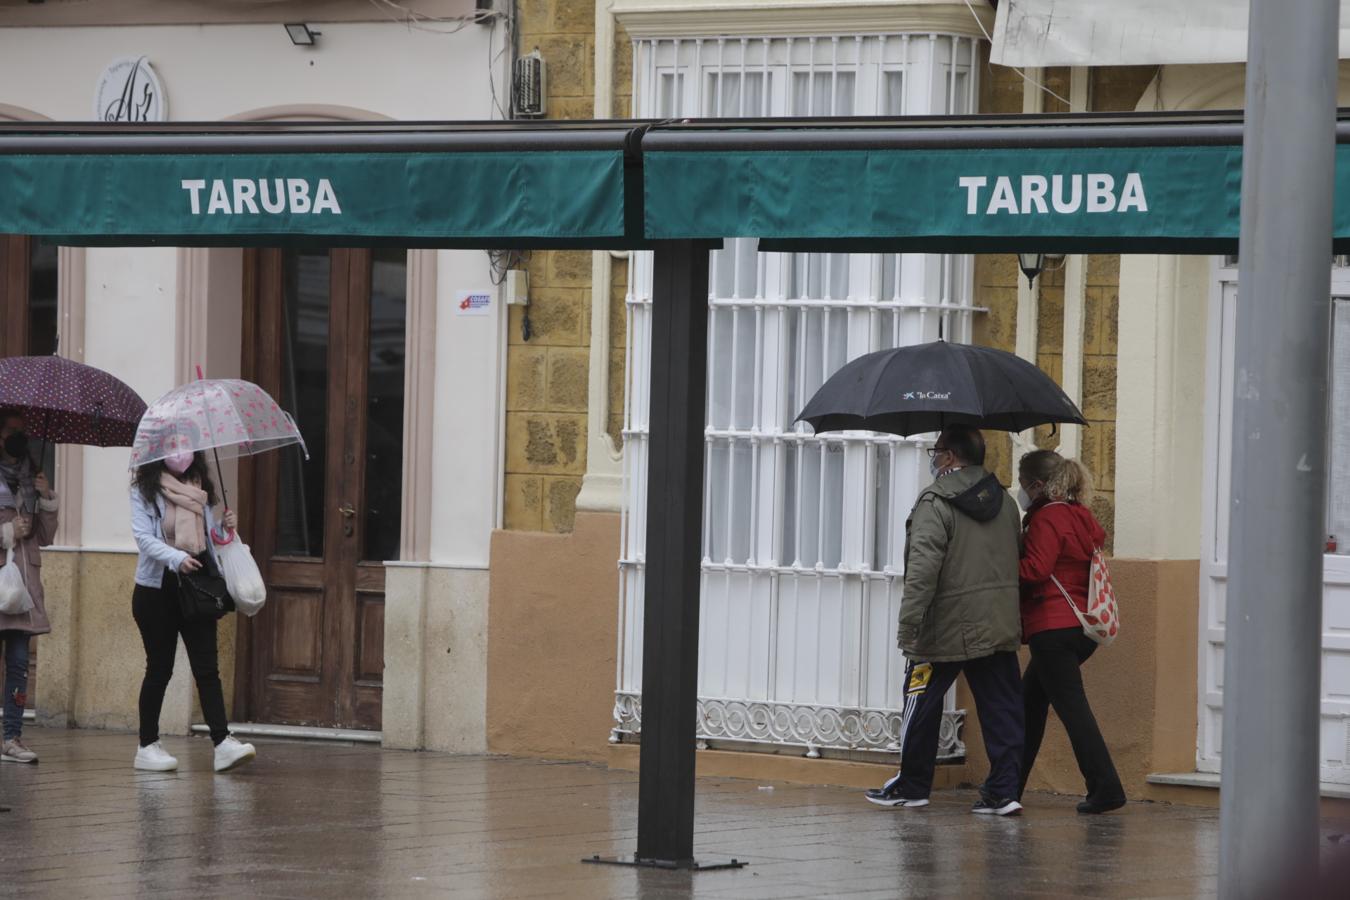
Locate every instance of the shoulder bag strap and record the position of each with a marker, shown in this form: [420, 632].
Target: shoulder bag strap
[1078, 613]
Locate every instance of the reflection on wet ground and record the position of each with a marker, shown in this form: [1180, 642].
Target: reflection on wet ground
[331, 821]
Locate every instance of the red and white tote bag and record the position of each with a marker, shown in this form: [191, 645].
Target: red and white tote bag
[1101, 619]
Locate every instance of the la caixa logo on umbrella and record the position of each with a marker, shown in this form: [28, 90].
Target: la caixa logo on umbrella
[926, 395]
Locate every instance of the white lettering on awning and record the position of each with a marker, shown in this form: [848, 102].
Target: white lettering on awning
[261, 196]
[1094, 192]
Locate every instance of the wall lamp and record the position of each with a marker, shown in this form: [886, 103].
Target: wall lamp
[1032, 264]
[301, 35]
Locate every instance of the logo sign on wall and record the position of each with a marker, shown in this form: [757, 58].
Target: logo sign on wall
[473, 303]
[129, 90]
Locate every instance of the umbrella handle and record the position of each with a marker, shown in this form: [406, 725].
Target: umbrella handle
[42, 454]
[224, 498]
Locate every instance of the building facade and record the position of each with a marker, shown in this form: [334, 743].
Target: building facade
[468, 574]
[798, 674]
[366, 347]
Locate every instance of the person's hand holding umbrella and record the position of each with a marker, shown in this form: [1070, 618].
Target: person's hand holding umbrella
[23, 522]
[23, 527]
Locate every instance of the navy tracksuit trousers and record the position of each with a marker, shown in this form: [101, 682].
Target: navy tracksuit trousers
[996, 683]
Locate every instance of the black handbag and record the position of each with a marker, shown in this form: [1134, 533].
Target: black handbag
[202, 594]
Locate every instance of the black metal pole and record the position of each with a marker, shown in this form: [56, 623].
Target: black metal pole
[674, 553]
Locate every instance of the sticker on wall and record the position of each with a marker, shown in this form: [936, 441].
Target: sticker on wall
[473, 303]
[129, 90]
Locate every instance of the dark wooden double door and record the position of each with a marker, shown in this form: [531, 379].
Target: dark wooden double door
[324, 334]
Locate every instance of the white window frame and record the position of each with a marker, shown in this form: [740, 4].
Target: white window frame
[1335, 699]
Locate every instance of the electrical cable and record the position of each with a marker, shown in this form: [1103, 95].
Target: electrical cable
[416, 20]
[493, 59]
[1025, 77]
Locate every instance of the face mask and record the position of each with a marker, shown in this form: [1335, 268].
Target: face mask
[16, 445]
[933, 467]
[1024, 499]
[178, 462]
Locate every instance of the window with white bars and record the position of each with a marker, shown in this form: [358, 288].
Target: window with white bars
[802, 535]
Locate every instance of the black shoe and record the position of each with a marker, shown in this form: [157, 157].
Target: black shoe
[1095, 807]
[991, 806]
[889, 796]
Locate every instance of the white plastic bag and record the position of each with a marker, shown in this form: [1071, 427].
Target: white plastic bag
[14, 597]
[241, 576]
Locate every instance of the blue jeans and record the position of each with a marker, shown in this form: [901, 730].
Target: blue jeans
[16, 680]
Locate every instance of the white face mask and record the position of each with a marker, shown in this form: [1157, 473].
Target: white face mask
[1024, 499]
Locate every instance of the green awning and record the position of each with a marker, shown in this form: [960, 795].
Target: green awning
[1122, 183]
[522, 188]
[872, 190]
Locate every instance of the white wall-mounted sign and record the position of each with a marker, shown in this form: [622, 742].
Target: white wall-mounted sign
[473, 302]
[129, 90]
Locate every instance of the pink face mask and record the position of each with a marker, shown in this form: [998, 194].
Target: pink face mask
[178, 463]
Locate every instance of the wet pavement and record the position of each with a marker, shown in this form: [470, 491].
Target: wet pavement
[333, 821]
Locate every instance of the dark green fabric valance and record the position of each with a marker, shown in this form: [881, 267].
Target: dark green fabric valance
[1126, 183]
[518, 199]
[1173, 199]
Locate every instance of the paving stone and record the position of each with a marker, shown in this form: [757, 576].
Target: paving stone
[334, 821]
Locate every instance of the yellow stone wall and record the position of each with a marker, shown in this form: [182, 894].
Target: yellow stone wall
[1114, 89]
[547, 374]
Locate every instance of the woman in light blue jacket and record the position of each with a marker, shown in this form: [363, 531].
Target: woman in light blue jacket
[172, 520]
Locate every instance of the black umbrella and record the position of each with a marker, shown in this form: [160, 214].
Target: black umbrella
[912, 390]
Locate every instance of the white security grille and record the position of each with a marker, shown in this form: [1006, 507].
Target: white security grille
[802, 535]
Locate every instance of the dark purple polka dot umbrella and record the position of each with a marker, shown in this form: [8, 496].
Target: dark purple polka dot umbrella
[67, 402]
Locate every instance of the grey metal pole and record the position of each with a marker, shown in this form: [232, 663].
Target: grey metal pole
[1269, 828]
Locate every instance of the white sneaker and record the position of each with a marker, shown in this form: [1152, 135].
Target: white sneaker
[154, 758]
[231, 754]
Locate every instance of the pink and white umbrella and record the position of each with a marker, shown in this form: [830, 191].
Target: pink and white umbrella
[230, 416]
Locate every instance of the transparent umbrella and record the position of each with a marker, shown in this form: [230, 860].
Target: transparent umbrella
[226, 415]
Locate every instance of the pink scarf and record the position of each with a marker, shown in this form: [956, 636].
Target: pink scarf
[184, 522]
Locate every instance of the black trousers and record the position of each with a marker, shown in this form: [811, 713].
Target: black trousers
[160, 621]
[996, 684]
[1053, 679]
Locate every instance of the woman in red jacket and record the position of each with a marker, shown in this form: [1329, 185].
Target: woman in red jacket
[1060, 534]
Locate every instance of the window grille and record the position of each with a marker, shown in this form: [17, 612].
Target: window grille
[802, 535]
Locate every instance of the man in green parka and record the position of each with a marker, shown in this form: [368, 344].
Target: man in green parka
[959, 613]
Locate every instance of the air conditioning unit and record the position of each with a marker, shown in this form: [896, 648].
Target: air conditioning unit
[528, 87]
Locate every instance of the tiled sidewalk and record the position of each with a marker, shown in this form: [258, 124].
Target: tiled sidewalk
[324, 821]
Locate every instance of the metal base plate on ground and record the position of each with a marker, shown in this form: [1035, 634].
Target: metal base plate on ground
[692, 865]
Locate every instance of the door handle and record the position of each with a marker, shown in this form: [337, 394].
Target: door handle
[347, 510]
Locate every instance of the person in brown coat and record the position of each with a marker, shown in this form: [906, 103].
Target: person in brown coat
[27, 523]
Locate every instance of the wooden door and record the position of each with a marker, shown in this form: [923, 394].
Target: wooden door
[28, 327]
[321, 529]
